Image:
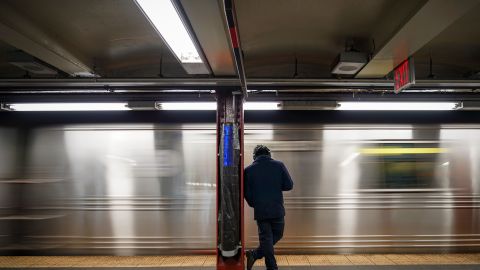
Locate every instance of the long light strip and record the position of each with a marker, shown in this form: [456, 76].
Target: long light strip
[182, 106]
[188, 106]
[165, 18]
[209, 106]
[69, 107]
[251, 106]
[397, 106]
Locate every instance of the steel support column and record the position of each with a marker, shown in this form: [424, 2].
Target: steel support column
[230, 236]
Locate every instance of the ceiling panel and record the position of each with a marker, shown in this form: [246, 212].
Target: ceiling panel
[455, 52]
[118, 39]
[7, 70]
[274, 32]
[112, 34]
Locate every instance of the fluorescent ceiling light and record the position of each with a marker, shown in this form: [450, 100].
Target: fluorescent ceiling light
[69, 107]
[187, 106]
[398, 106]
[211, 106]
[166, 19]
[261, 106]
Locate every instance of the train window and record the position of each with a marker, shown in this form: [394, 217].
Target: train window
[399, 166]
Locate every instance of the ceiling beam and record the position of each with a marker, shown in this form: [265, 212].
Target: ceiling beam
[206, 19]
[235, 41]
[22, 34]
[429, 21]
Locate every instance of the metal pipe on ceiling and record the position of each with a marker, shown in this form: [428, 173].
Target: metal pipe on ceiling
[219, 83]
[114, 83]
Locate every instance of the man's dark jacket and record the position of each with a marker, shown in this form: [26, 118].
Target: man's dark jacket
[265, 179]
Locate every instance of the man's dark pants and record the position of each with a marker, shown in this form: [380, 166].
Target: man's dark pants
[269, 232]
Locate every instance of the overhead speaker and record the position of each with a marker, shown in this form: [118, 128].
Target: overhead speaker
[349, 63]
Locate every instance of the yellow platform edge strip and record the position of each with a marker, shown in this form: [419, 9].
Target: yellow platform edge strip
[208, 261]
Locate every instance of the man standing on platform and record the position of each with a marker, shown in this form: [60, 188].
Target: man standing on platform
[265, 180]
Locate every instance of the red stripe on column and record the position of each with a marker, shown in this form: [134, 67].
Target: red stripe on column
[233, 35]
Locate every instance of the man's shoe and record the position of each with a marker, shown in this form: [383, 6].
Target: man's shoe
[250, 259]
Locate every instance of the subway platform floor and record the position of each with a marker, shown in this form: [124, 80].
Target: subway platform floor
[290, 262]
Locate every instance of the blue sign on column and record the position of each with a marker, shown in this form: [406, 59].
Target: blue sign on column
[227, 145]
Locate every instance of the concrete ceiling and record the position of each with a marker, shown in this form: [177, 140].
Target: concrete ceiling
[274, 32]
[6, 69]
[455, 52]
[111, 36]
[279, 38]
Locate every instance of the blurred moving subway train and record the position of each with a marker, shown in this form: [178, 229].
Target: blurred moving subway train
[127, 189]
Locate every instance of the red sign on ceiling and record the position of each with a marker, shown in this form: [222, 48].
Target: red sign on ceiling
[404, 75]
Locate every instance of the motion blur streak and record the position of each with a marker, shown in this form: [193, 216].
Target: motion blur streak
[150, 189]
[402, 151]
